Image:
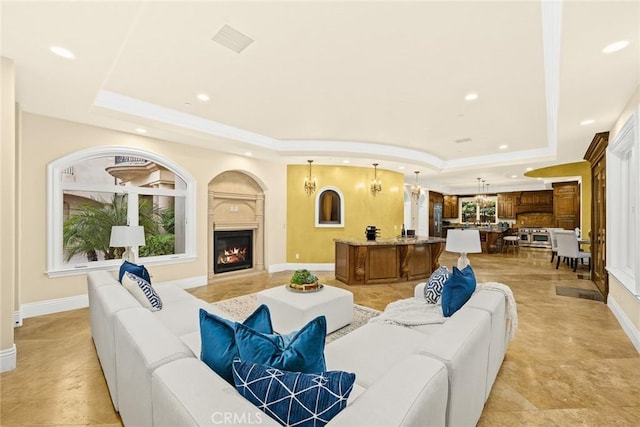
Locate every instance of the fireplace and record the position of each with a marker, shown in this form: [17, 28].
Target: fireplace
[233, 250]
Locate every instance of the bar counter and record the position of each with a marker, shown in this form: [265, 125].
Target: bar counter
[363, 262]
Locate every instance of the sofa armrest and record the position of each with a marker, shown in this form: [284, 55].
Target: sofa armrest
[142, 344]
[187, 393]
[418, 291]
[462, 344]
[413, 392]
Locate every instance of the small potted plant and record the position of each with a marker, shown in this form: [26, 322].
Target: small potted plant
[304, 280]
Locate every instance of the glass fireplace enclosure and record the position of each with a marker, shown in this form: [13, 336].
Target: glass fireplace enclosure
[233, 250]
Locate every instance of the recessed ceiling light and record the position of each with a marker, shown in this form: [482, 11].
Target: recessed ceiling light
[514, 176]
[60, 51]
[346, 161]
[529, 169]
[248, 153]
[616, 46]
[401, 167]
[587, 122]
[471, 96]
[141, 130]
[539, 179]
[503, 147]
[203, 97]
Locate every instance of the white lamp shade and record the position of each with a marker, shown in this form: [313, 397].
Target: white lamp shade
[125, 236]
[463, 241]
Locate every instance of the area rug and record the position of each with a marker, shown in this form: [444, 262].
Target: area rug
[241, 307]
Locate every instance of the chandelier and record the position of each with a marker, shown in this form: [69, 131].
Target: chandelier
[415, 189]
[376, 184]
[481, 197]
[310, 183]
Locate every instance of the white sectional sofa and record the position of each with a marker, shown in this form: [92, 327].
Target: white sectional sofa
[428, 375]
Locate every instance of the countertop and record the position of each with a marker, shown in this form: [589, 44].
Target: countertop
[397, 241]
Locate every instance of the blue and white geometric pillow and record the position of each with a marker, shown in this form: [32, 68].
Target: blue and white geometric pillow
[433, 288]
[294, 398]
[142, 291]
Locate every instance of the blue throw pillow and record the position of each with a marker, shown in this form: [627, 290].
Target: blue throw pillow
[433, 288]
[294, 398]
[218, 342]
[138, 270]
[457, 290]
[302, 351]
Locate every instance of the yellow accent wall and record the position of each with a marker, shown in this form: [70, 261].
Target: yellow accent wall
[582, 169]
[361, 208]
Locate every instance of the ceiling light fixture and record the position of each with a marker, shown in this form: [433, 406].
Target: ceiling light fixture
[514, 176]
[401, 167]
[141, 130]
[471, 96]
[62, 52]
[346, 161]
[415, 189]
[615, 46]
[203, 97]
[503, 147]
[310, 182]
[248, 153]
[587, 122]
[376, 184]
[529, 169]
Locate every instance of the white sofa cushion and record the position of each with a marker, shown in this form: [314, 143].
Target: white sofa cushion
[371, 351]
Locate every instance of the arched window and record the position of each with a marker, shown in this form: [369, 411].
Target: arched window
[329, 208]
[117, 186]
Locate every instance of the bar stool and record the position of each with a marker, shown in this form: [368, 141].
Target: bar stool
[510, 241]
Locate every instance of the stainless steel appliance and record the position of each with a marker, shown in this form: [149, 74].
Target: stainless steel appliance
[437, 219]
[534, 237]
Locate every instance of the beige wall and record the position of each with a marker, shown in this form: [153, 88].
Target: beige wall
[628, 303]
[8, 229]
[45, 139]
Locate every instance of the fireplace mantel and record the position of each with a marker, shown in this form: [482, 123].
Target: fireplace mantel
[235, 225]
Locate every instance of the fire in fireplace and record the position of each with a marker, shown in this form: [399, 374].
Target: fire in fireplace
[232, 250]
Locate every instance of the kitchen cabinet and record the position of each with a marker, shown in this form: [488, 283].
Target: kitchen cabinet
[450, 207]
[506, 206]
[435, 230]
[566, 205]
[596, 156]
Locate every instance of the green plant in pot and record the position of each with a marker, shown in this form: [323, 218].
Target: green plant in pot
[303, 280]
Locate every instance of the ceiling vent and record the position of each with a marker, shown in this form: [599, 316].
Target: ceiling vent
[462, 140]
[232, 39]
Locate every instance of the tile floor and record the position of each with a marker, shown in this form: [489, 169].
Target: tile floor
[570, 363]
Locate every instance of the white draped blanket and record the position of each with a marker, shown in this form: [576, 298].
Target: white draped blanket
[416, 311]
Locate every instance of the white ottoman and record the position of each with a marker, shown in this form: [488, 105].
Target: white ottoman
[292, 310]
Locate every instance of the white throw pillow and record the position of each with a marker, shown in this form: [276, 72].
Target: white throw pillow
[142, 291]
[433, 288]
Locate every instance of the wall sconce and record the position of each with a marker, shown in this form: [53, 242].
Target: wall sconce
[376, 184]
[310, 183]
[415, 189]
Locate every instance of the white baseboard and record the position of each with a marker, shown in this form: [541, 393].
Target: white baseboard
[17, 318]
[629, 328]
[8, 359]
[275, 268]
[57, 305]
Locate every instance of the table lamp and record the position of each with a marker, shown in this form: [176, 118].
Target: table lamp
[127, 236]
[465, 242]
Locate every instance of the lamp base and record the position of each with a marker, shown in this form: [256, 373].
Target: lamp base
[463, 261]
[129, 255]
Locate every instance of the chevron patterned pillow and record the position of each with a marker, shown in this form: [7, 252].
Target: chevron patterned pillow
[142, 291]
[433, 288]
[294, 398]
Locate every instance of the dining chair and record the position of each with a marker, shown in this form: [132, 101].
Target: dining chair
[554, 243]
[568, 248]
